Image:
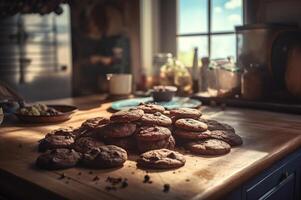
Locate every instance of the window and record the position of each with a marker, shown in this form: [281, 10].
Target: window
[208, 25]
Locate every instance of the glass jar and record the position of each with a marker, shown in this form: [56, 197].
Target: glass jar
[252, 83]
[176, 74]
[159, 60]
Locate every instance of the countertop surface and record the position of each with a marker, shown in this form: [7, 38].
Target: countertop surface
[267, 137]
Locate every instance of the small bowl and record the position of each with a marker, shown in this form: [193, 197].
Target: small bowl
[163, 93]
[67, 112]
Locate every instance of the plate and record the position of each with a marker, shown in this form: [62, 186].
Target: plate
[66, 110]
[176, 102]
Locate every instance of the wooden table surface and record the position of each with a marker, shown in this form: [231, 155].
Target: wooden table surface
[267, 138]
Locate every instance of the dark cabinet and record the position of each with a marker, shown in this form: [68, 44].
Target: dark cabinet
[279, 182]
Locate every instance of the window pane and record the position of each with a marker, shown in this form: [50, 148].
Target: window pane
[226, 14]
[186, 47]
[223, 46]
[192, 16]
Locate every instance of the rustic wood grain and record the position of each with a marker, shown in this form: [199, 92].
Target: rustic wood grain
[267, 137]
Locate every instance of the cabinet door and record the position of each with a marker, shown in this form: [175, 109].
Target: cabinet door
[284, 190]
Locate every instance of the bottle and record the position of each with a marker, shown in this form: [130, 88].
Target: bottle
[204, 74]
[195, 73]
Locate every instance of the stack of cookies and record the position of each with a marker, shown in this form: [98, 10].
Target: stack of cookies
[154, 129]
[201, 136]
[122, 128]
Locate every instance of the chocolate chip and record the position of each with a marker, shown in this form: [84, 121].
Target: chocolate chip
[187, 180]
[146, 178]
[20, 146]
[90, 172]
[166, 188]
[96, 178]
[172, 155]
[79, 173]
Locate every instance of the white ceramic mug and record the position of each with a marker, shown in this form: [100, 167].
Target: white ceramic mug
[120, 84]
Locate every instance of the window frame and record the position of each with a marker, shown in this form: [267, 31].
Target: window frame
[209, 32]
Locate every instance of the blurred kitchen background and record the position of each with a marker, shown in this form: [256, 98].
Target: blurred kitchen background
[233, 49]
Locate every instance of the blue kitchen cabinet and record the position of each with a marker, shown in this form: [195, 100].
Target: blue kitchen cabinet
[279, 182]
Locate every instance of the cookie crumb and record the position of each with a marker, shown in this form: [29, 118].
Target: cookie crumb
[166, 188]
[20, 146]
[62, 176]
[67, 182]
[96, 178]
[124, 184]
[133, 173]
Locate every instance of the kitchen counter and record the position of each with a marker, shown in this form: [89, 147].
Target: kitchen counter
[268, 137]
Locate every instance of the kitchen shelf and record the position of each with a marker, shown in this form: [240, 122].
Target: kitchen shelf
[277, 106]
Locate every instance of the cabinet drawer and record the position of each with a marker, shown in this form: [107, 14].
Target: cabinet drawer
[265, 184]
[284, 190]
[283, 178]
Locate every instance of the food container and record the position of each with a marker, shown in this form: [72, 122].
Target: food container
[223, 78]
[252, 82]
[163, 93]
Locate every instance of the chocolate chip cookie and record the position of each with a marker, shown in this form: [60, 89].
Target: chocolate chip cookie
[153, 133]
[215, 125]
[144, 146]
[85, 144]
[127, 115]
[191, 125]
[54, 141]
[192, 135]
[151, 108]
[161, 159]
[209, 147]
[127, 143]
[58, 159]
[94, 123]
[117, 130]
[227, 136]
[155, 119]
[66, 131]
[185, 113]
[108, 156]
